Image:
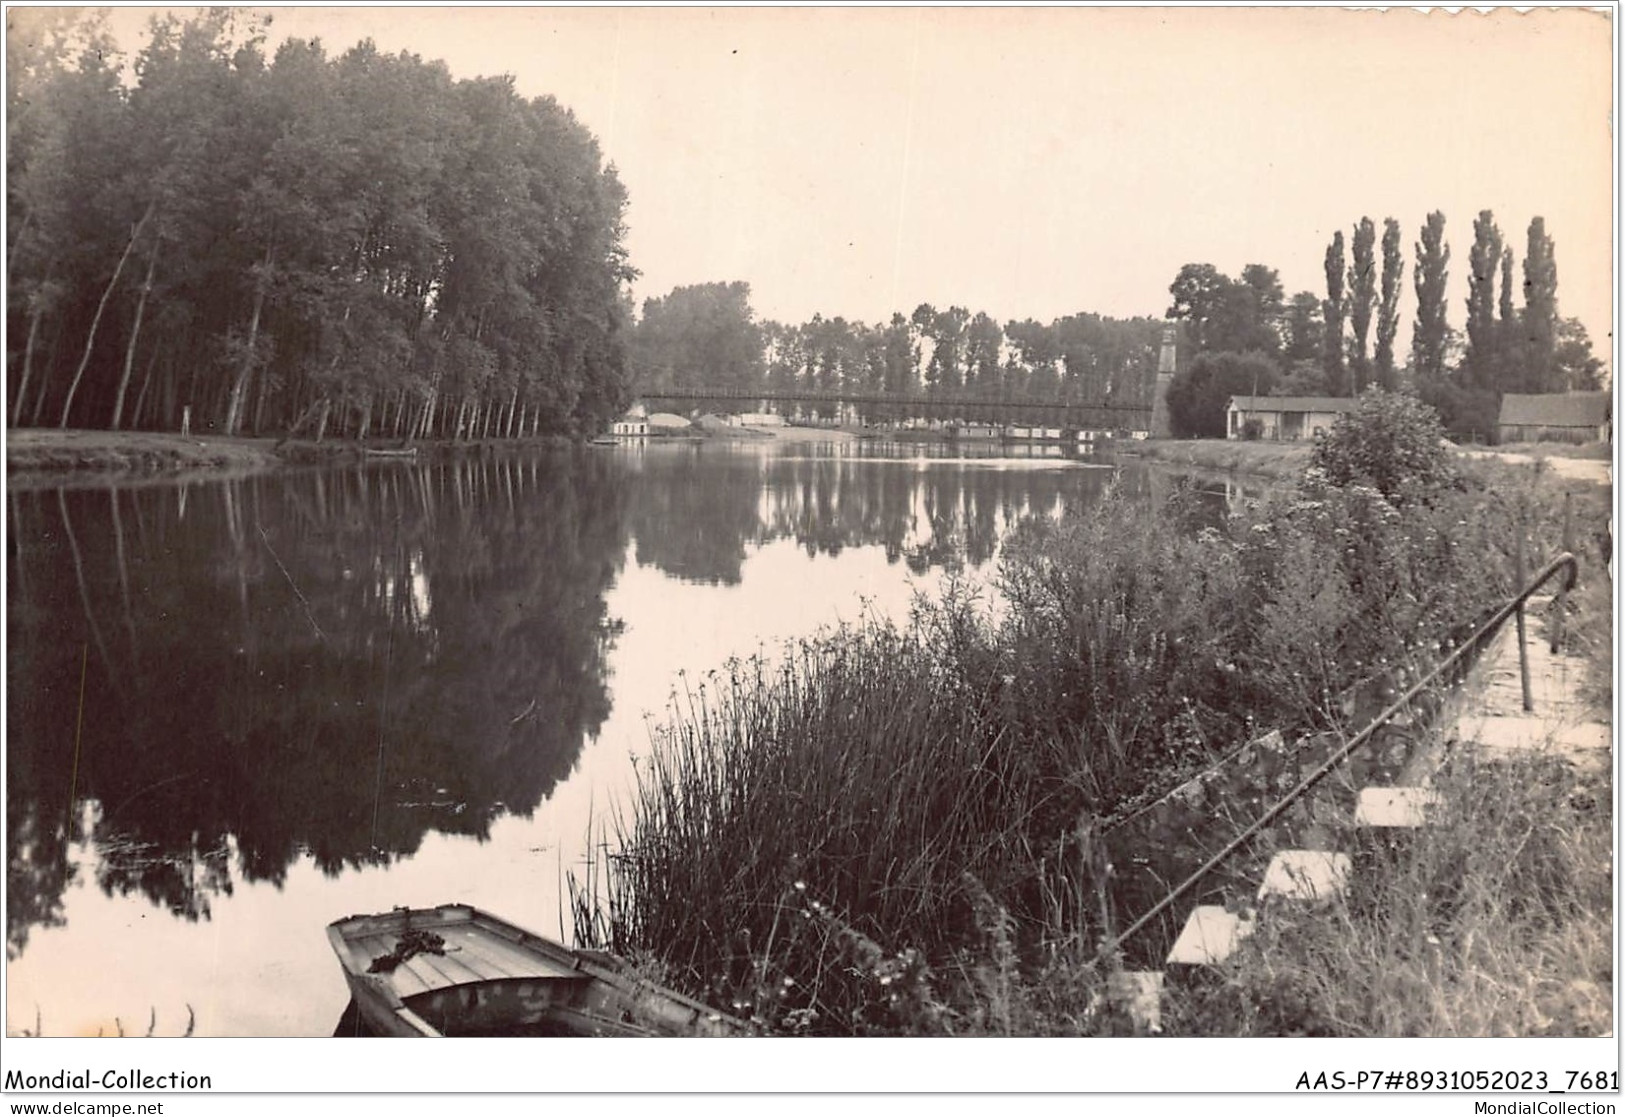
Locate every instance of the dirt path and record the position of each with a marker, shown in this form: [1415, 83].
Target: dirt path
[1596, 470]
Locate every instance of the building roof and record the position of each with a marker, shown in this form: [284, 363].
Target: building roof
[1334, 404]
[1562, 409]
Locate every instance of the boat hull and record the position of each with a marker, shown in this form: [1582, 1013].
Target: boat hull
[490, 977]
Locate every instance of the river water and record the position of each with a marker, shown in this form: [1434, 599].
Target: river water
[239, 709]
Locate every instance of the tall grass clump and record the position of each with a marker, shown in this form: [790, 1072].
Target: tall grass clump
[898, 828]
[792, 819]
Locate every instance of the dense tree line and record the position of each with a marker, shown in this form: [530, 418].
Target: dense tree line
[1244, 338]
[355, 244]
[700, 336]
[707, 336]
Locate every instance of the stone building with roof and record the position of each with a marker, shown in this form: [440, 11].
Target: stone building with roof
[1557, 417]
[1284, 418]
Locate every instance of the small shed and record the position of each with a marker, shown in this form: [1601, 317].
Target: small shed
[1284, 418]
[634, 424]
[1557, 417]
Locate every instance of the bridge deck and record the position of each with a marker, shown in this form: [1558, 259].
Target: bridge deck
[1065, 413]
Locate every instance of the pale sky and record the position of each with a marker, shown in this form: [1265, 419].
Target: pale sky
[1043, 161]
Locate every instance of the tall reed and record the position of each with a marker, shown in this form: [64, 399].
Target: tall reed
[859, 770]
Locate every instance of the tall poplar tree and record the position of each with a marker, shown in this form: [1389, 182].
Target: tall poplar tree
[1483, 337]
[1431, 276]
[1332, 317]
[1393, 275]
[1540, 311]
[1362, 301]
[1508, 313]
[1511, 370]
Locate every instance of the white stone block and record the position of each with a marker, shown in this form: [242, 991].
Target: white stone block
[1138, 994]
[1494, 738]
[1395, 806]
[1210, 936]
[1306, 874]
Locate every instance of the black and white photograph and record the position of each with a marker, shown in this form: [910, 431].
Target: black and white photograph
[810, 525]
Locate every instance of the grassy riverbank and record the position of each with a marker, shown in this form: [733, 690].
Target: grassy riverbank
[33, 451]
[1494, 920]
[72, 451]
[1285, 460]
[900, 831]
[1260, 459]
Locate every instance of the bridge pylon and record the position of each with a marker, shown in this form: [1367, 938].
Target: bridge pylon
[1167, 365]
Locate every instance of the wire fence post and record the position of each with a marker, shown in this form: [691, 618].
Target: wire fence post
[1523, 643]
[1475, 643]
[1563, 588]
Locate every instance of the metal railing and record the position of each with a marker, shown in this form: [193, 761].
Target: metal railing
[1564, 562]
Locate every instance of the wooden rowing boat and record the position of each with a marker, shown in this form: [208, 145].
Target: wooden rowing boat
[457, 970]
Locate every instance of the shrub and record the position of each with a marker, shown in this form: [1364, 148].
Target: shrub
[1391, 441]
[1347, 585]
[1120, 645]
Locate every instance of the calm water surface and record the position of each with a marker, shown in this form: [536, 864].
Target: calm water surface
[240, 709]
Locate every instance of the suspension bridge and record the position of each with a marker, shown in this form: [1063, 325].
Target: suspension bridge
[1064, 414]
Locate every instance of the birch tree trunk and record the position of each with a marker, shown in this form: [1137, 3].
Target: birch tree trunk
[95, 323]
[146, 385]
[28, 360]
[50, 363]
[135, 333]
[17, 244]
[234, 406]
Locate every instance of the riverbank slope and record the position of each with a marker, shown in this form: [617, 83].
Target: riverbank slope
[1592, 462]
[1261, 459]
[35, 452]
[72, 451]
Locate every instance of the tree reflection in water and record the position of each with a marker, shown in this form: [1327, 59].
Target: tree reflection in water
[334, 663]
[695, 513]
[329, 663]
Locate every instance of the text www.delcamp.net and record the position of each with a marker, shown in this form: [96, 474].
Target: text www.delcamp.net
[88, 1109]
